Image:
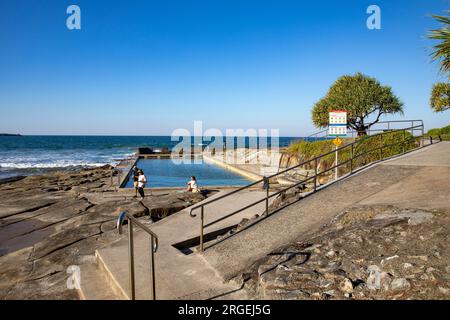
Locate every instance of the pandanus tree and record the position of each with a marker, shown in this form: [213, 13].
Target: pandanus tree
[441, 52]
[440, 97]
[364, 99]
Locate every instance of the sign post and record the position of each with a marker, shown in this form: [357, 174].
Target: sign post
[337, 127]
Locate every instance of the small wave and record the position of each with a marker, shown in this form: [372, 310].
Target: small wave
[10, 165]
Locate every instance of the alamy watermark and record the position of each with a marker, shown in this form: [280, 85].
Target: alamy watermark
[74, 280]
[232, 146]
[373, 22]
[73, 21]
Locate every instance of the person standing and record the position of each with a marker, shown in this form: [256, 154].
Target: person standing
[135, 173]
[142, 180]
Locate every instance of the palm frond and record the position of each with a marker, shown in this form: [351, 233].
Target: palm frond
[441, 51]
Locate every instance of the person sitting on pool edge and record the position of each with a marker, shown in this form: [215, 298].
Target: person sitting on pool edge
[192, 185]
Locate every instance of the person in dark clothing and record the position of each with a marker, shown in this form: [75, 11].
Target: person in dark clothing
[135, 173]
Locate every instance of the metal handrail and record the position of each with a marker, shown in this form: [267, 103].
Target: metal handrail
[369, 130]
[266, 180]
[153, 248]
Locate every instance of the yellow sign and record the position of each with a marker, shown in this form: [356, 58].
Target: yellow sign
[337, 141]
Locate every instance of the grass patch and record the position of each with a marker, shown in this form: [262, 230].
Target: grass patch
[443, 132]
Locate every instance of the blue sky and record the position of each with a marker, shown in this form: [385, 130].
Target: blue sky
[149, 67]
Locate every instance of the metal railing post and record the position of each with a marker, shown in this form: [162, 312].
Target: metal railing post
[267, 195]
[131, 258]
[154, 247]
[152, 256]
[381, 147]
[315, 174]
[403, 142]
[201, 227]
[351, 160]
[421, 137]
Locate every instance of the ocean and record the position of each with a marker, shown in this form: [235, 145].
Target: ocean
[29, 155]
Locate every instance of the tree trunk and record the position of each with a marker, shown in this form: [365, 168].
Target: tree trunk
[361, 132]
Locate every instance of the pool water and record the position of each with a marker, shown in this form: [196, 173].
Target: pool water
[165, 173]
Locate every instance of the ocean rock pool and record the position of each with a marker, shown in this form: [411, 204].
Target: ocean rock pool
[162, 173]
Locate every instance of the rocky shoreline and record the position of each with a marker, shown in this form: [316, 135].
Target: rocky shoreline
[52, 221]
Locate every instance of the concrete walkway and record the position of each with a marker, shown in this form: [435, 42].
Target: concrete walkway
[177, 275]
[421, 178]
[428, 188]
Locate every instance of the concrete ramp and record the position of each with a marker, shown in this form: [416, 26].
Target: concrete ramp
[423, 175]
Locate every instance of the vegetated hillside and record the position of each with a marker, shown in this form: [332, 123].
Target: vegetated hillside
[443, 132]
[391, 142]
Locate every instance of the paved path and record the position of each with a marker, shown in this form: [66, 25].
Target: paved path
[419, 179]
[428, 188]
[177, 275]
[437, 155]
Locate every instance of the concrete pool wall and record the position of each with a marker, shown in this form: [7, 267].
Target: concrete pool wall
[245, 173]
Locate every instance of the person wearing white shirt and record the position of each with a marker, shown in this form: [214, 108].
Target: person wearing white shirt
[142, 180]
[192, 185]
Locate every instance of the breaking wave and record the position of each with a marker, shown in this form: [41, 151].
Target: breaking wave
[57, 164]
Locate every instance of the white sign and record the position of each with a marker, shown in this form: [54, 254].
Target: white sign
[337, 123]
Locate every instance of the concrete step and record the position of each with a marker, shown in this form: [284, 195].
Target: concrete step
[96, 284]
[178, 275]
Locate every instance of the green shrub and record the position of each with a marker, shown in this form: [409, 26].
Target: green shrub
[439, 131]
[445, 130]
[434, 132]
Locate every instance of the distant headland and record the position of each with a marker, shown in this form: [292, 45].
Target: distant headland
[10, 135]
